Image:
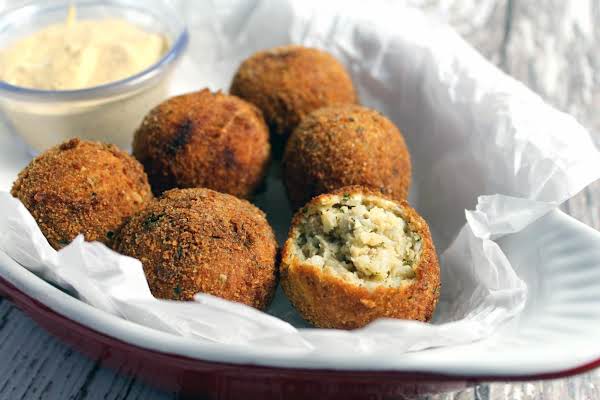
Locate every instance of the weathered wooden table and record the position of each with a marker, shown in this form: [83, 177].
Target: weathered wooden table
[551, 45]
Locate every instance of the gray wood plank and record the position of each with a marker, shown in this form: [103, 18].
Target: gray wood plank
[36, 365]
[554, 49]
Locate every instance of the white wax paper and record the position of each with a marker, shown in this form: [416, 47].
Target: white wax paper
[479, 141]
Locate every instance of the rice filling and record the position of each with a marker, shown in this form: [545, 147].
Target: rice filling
[361, 239]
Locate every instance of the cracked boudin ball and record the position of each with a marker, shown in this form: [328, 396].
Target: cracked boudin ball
[288, 82]
[204, 139]
[199, 240]
[353, 256]
[345, 145]
[82, 187]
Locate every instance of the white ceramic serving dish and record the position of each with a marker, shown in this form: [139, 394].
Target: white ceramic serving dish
[557, 256]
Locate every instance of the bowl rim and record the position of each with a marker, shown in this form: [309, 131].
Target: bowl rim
[114, 88]
[43, 314]
[453, 368]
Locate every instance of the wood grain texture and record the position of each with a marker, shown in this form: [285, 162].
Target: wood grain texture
[553, 46]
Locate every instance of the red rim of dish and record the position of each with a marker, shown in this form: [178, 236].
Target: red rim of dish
[35, 309]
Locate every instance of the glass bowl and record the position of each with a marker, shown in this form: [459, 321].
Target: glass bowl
[110, 112]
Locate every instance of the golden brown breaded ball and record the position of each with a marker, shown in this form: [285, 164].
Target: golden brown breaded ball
[288, 82]
[199, 240]
[345, 145]
[82, 187]
[353, 256]
[204, 139]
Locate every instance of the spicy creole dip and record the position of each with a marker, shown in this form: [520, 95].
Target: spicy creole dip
[78, 54]
[93, 77]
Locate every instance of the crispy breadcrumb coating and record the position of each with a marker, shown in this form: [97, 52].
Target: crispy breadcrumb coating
[288, 82]
[345, 145]
[204, 139]
[82, 187]
[353, 256]
[199, 240]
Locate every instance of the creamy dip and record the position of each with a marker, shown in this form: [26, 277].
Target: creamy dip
[80, 54]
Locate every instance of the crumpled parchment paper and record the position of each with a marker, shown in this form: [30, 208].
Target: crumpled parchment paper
[489, 158]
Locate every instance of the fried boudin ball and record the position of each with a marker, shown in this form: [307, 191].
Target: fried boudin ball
[199, 240]
[288, 82]
[204, 139]
[353, 256]
[82, 187]
[345, 145]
